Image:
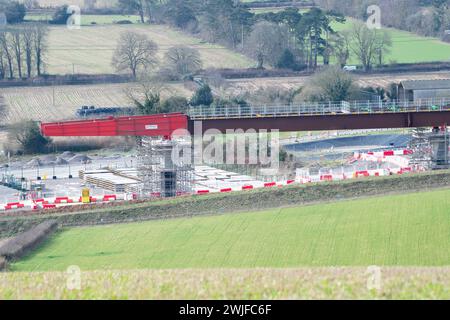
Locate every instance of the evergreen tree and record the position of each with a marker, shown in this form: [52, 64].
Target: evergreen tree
[202, 97]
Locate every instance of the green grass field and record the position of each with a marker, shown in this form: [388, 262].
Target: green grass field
[90, 49]
[408, 47]
[401, 230]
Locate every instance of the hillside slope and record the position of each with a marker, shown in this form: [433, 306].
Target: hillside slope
[402, 230]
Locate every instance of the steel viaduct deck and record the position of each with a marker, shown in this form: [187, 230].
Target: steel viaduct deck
[302, 117]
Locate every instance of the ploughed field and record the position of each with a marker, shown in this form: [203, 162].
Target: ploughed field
[61, 102]
[398, 230]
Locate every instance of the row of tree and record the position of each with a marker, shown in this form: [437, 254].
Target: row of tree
[13, 11]
[22, 50]
[425, 17]
[287, 39]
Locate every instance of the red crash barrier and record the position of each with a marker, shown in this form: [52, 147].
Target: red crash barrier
[202, 191]
[226, 190]
[110, 197]
[247, 188]
[42, 201]
[270, 184]
[405, 170]
[14, 205]
[362, 174]
[60, 200]
[91, 199]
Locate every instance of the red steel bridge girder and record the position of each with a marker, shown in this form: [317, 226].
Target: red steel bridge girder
[164, 125]
[154, 125]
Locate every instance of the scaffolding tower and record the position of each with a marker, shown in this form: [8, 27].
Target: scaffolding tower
[420, 145]
[430, 148]
[439, 141]
[162, 176]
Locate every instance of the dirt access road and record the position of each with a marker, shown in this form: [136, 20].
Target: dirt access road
[237, 86]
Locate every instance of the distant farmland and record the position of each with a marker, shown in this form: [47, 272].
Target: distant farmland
[80, 3]
[61, 102]
[402, 230]
[69, 50]
[37, 102]
[90, 49]
[408, 47]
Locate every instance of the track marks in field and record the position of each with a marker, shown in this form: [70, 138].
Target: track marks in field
[401, 230]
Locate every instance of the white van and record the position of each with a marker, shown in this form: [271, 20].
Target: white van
[350, 68]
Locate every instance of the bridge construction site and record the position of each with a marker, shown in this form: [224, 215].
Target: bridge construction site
[153, 173]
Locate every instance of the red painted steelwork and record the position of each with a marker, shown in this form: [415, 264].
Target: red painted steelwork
[164, 125]
[154, 125]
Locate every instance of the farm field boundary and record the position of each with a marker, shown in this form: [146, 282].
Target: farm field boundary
[23, 243]
[68, 80]
[217, 204]
[250, 73]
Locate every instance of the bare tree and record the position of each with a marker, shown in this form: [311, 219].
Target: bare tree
[22, 46]
[340, 48]
[138, 6]
[2, 64]
[183, 60]
[368, 44]
[17, 45]
[266, 43]
[39, 45]
[5, 43]
[28, 41]
[383, 46]
[135, 52]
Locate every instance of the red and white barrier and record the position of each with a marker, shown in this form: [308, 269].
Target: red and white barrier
[371, 156]
[61, 200]
[305, 180]
[49, 206]
[402, 170]
[109, 197]
[14, 205]
[326, 177]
